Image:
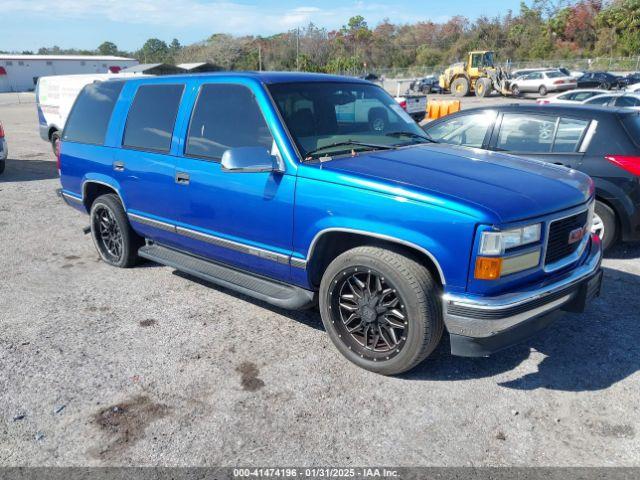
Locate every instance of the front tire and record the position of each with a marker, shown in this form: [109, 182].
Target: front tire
[542, 91]
[381, 309]
[515, 90]
[605, 224]
[112, 234]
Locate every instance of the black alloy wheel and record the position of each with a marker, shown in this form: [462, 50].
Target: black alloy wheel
[109, 236]
[368, 313]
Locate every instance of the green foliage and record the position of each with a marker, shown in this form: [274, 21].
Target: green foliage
[542, 29]
[108, 48]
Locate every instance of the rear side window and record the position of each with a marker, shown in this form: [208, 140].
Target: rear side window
[540, 133]
[600, 100]
[152, 117]
[226, 116]
[521, 132]
[89, 118]
[627, 102]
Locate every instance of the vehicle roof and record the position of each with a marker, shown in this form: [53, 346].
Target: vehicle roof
[558, 108]
[264, 77]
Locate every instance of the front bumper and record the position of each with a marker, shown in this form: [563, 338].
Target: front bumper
[479, 326]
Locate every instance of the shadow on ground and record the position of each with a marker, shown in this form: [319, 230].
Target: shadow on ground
[582, 352]
[29, 169]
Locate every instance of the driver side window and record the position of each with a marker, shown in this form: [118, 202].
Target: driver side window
[467, 130]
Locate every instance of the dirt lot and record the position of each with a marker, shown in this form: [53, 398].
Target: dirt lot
[101, 366]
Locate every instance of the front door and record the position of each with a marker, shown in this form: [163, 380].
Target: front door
[241, 219]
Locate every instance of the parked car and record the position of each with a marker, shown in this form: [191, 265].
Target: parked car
[426, 85]
[4, 149]
[616, 99]
[603, 80]
[414, 104]
[254, 182]
[634, 87]
[633, 78]
[55, 96]
[601, 142]
[542, 82]
[571, 97]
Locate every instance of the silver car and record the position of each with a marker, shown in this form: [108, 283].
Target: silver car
[543, 82]
[4, 150]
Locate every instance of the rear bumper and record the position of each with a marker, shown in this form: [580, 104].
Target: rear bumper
[479, 326]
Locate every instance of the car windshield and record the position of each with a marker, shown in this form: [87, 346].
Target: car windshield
[488, 59]
[333, 118]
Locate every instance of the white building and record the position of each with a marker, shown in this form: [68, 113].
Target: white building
[20, 73]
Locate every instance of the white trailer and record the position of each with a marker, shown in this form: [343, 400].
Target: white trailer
[55, 97]
[20, 73]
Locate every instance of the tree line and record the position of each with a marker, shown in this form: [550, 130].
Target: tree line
[543, 29]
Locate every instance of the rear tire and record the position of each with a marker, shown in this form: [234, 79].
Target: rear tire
[55, 142]
[392, 321]
[605, 224]
[113, 237]
[2, 164]
[460, 87]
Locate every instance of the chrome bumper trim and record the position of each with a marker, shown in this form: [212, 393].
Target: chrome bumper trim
[486, 316]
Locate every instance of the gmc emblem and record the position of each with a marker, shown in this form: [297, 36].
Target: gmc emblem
[576, 235]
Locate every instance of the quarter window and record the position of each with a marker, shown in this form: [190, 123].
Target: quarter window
[627, 102]
[468, 130]
[152, 117]
[569, 134]
[90, 115]
[226, 116]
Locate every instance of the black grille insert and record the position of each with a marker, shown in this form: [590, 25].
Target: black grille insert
[558, 246]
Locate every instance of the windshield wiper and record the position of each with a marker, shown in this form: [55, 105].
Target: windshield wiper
[402, 133]
[372, 146]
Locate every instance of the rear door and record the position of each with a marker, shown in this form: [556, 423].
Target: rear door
[548, 137]
[144, 164]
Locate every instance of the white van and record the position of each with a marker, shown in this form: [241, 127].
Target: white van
[55, 96]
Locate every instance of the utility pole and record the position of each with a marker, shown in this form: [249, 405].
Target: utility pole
[297, 49]
[259, 57]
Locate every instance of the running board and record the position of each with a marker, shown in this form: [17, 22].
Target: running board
[270, 291]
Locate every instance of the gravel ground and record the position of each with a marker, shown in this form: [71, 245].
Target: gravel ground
[102, 366]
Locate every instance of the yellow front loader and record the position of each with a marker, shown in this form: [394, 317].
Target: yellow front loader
[478, 74]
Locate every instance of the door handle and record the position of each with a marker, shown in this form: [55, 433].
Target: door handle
[182, 178]
[118, 166]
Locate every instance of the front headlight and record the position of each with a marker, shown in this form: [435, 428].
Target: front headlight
[496, 243]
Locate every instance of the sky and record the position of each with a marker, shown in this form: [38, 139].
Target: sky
[84, 24]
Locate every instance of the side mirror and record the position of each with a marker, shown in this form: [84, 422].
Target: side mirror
[249, 160]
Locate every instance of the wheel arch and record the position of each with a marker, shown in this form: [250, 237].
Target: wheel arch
[331, 242]
[93, 188]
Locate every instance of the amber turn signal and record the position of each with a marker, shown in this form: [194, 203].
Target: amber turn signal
[488, 268]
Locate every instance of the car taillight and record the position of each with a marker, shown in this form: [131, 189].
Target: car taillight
[403, 104]
[627, 162]
[558, 82]
[1, 131]
[542, 102]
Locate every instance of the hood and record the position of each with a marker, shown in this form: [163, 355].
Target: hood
[508, 188]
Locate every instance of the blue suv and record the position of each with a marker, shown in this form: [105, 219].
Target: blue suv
[299, 189]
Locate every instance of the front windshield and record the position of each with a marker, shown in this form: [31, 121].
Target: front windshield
[333, 118]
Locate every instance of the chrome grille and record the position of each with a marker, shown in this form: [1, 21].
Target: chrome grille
[558, 245]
